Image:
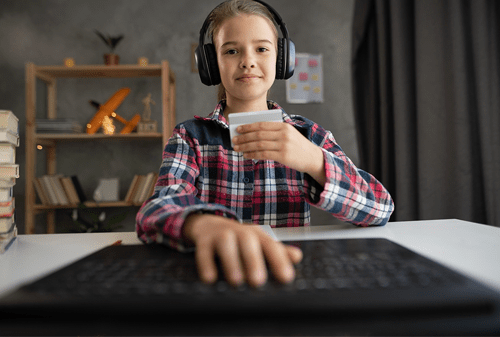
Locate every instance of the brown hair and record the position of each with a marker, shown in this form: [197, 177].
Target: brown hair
[230, 9]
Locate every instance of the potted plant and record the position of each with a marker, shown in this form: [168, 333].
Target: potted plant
[89, 220]
[110, 58]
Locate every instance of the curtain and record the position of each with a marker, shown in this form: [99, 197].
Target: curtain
[426, 91]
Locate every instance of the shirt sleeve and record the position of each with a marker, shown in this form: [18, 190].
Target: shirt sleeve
[350, 194]
[161, 217]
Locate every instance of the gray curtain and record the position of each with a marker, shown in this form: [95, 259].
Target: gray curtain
[426, 90]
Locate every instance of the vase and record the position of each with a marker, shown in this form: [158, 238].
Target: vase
[111, 59]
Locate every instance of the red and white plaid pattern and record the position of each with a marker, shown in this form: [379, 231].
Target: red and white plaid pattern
[200, 172]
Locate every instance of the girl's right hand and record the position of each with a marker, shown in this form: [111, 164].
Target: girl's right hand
[242, 250]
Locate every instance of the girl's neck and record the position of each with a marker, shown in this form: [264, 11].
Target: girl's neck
[233, 106]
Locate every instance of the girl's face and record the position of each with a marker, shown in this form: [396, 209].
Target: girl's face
[246, 54]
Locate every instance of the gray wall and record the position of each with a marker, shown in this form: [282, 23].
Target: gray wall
[47, 31]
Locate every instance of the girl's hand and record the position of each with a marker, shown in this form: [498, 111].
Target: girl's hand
[283, 143]
[242, 250]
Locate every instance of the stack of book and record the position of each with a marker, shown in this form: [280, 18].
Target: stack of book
[58, 125]
[9, 172]
[141, 188]
[56, 189]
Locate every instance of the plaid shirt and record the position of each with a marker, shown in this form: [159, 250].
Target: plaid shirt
[201, 173]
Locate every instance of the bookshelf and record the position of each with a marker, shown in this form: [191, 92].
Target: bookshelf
[49, 76]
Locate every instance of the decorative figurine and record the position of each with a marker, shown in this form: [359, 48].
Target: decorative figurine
[146, 125]
[108, 109]
[107, 190]
[147, 101]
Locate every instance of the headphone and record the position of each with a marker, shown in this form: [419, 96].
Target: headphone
[206, 56]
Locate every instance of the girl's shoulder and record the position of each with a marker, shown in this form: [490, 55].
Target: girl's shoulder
[204, 130]
[308, 128]
[301, 120]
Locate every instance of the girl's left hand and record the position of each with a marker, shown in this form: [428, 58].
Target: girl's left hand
[283, 143]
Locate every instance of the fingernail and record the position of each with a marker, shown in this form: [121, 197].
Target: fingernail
[209, 278]
[237, 277]
[260, 278]
[236, 148]
[289, 274]
[239, 128]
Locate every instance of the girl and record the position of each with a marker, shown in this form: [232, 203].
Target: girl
[208, 192]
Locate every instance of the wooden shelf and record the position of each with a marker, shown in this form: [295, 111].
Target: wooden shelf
[89, 204]
[95, 136]
[99, 71]
[49, 75]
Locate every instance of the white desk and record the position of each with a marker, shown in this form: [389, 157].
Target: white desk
[470, 248]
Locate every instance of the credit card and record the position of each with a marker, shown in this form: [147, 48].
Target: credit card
[241, 118]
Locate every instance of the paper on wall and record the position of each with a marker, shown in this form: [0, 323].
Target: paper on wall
[306, 84]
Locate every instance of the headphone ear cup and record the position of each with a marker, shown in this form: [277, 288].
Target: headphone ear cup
[290, 63]
[280, 60]
[213, 67]
[202, 69]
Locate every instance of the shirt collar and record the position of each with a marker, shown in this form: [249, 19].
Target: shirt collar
[218, 114]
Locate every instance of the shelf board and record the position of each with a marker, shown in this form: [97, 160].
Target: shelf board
[99, 71]
[84, 136]
[89, 204]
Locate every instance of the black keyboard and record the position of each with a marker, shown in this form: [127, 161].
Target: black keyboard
[346, 286]
[336, 265]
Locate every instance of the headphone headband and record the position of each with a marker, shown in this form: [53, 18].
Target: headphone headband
[277, 18]
[205, 53]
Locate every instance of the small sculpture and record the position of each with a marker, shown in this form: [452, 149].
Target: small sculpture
[146, 114]
[108, 109]
[146, 125]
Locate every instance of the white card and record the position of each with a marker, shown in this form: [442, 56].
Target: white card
[240, 118]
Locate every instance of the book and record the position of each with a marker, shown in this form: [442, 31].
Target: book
[9, 171]
[7, 136]
[58, 125]
[62, 198]
[131, 189]
[56, 190]
[70, 190]
[7, 182]
[146, 187]
[49, 190]
[140, 187]
[7, 238]
[7, 153]
[6, 225]
[79, 189]
[42, 194]
[138, 184]
[6, 194]
[7, 208]
[149, 189]
[9, 121]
